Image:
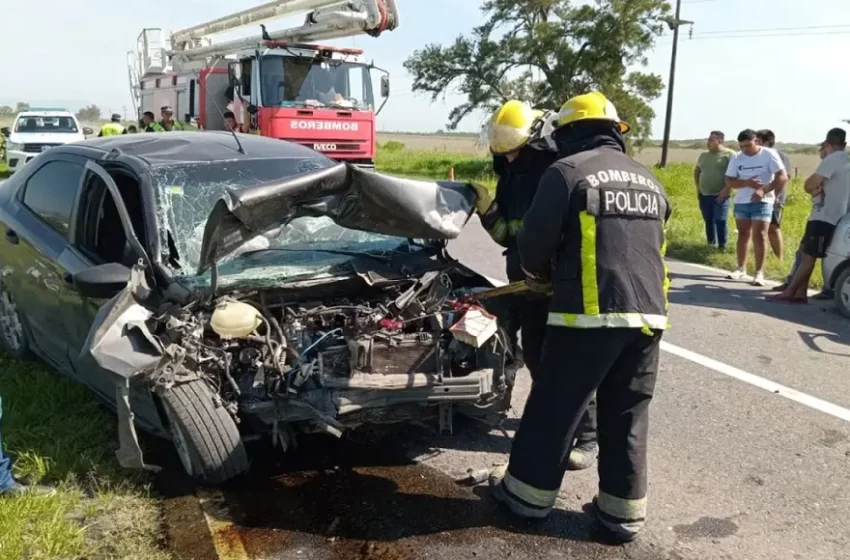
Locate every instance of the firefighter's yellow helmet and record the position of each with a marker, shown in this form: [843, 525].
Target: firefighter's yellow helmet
[511, 127]
[589, 106]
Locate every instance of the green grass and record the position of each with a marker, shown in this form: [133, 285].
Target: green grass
[57, 434]
[686, 233]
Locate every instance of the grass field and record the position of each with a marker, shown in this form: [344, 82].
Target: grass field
[686, 237]
[803, 164]
[57, 434]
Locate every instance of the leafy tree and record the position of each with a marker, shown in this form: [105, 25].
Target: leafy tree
[21, 107]
[90, 113]
[6, 111]
[546, 51]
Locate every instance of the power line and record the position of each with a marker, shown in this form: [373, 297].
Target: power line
[770, 29]
[765, 32]
[760, 36]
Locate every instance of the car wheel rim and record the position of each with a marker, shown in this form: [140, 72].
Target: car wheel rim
[10, 322]
[179, 440]
[845, 295]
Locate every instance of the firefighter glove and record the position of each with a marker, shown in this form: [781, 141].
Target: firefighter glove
[537, 284]
[484, 199]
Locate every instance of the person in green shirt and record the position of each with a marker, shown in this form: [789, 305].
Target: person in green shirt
[710, 181]
[168, 123]
[149, 124]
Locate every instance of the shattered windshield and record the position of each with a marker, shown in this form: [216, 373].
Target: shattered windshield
[292, 81]
[187, 193]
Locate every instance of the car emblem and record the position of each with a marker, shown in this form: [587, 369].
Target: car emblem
[45, 148]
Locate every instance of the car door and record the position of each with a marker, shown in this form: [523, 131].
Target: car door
[97, 187]
[37, 267]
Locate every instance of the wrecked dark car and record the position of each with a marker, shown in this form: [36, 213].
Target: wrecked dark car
[212, 291]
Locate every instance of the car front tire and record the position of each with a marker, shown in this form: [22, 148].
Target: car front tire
[205, 436]
[842, 293]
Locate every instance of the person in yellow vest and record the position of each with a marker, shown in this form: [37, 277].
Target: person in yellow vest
[112, 128]
[168, 123]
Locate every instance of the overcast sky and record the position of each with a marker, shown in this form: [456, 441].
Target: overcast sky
[795, 81]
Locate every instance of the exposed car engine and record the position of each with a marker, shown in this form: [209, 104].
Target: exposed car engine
[342, 361]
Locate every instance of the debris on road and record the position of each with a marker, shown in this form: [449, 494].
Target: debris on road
[474, 477]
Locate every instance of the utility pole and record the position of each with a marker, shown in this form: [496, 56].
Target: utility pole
[674, 24]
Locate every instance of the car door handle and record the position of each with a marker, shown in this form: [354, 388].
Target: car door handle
[12, 237]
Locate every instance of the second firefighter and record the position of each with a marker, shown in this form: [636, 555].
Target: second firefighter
[522, 150]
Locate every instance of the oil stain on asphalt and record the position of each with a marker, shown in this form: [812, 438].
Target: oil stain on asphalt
[365, 500]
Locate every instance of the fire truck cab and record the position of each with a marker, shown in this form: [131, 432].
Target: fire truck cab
[277, 84]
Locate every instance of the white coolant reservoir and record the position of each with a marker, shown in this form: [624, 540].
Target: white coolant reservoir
[234, 319]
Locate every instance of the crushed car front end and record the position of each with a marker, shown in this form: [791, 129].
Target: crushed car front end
[316, 303]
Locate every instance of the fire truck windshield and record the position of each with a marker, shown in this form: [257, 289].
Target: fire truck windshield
[297, 81]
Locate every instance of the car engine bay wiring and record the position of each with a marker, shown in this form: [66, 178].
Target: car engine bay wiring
[335, 359]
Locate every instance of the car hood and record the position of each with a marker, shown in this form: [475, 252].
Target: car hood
[352, 197]
[45, 138]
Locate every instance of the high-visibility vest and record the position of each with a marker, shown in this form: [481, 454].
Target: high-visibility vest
[111, 129]
[175, 126]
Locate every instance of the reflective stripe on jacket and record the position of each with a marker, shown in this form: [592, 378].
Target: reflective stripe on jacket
[596, 228]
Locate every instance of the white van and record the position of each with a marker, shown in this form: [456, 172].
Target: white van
[36, 131]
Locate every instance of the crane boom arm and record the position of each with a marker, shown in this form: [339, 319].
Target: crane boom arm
[327, 19]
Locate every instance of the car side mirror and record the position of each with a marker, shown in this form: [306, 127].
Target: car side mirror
[385, 86]
[5, 131]
[87, 131]
[103, 281]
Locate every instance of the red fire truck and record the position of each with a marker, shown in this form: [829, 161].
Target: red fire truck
[280, 83]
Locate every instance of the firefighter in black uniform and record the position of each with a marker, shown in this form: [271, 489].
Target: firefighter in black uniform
[522, 150]
[595, 235]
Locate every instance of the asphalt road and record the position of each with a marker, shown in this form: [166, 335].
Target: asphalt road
[737, 470]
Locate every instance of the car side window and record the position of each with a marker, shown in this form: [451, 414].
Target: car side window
[50, 193]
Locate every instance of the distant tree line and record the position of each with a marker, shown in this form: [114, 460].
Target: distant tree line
[89, 113]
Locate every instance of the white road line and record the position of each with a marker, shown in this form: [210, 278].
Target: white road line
[760, 382]
[741, 375]
[226, 541]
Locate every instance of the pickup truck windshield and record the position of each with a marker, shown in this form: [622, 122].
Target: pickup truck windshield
[294, 81]
[44, 125]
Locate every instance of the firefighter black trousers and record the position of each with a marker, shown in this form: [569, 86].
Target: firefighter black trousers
[621, 365]
[532, 312]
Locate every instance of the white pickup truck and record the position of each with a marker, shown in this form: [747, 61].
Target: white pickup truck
[38, 130]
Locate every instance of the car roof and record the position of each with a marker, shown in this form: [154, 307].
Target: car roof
[159, 148]
[45, 113]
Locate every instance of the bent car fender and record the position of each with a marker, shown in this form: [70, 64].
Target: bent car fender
[120, 344]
